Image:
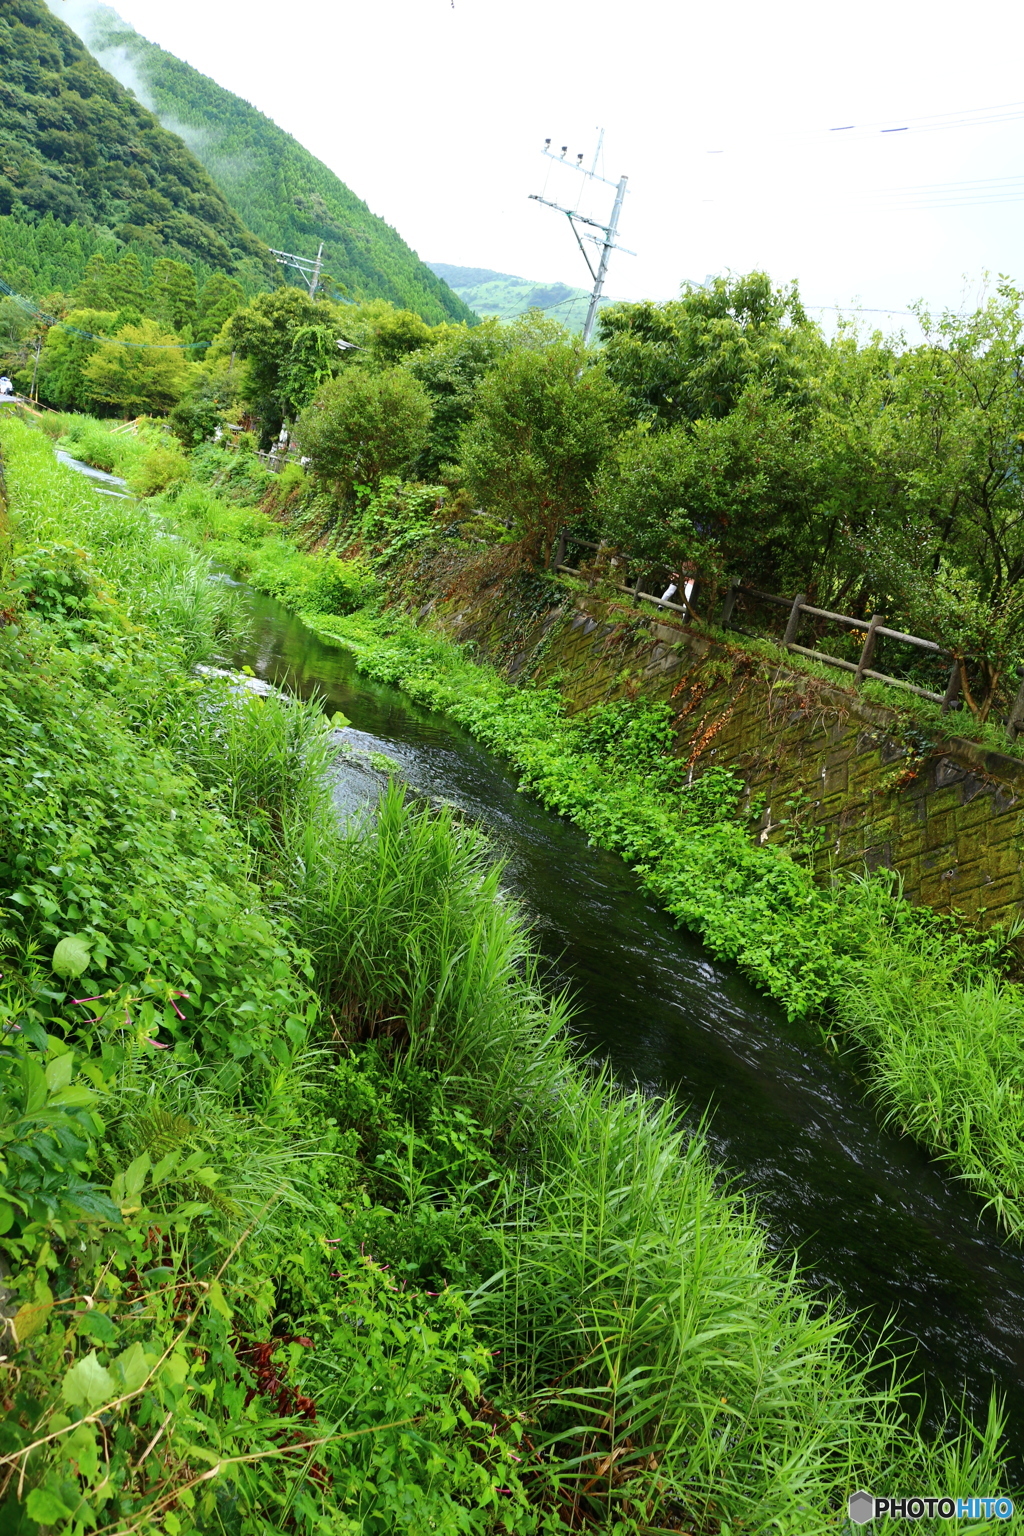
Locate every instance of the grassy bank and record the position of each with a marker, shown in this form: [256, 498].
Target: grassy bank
[941, 1030]
[312, 1221]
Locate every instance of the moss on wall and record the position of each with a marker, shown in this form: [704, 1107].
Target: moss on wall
[846, 776]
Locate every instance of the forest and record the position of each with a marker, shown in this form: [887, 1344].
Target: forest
[284, 194]
[78, 147]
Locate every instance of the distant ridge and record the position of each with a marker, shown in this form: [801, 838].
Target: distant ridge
[503, 295]
[284, 194]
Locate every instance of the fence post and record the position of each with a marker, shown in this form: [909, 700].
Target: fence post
[728, 605]
[868, 648]
[560, 551]
[952, 693]
[1015, 724]
[636, 590]
[794, 618]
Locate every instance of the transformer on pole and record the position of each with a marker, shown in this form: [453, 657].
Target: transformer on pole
[605, 239]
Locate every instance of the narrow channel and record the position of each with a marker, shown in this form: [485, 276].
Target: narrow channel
[872, 1218]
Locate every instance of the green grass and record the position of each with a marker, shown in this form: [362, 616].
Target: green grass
[368, 1181]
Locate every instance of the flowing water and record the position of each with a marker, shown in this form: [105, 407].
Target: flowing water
[872, 1219]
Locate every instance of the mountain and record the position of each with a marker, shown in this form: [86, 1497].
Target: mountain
[501, 294]
[282, 192]
[77, 149]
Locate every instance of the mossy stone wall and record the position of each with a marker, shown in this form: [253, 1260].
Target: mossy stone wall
[865, 789]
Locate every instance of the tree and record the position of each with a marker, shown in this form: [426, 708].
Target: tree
[199, 412]
[950, 443]
[364, 425]
[741, 494]
[450, 371]
[143, 370]
[286, 339]
[694, 356]
[542, 423]
[312, 359]
[173, 299]
[386, 335]
[61, 379]
[220, 297]
[93, 291]
[126, 285]
[985, 633]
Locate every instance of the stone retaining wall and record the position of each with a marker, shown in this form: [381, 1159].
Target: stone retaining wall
[863, 784]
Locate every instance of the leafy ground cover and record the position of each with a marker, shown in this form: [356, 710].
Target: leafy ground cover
[311, 1222]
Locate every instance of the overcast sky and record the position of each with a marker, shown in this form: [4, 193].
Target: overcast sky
[435, 112]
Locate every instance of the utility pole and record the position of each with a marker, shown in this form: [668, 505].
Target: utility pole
[605, 239]
[310, 269]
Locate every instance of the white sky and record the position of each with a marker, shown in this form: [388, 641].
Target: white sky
[434, 112]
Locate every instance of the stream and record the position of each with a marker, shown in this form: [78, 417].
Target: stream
[873, 1219]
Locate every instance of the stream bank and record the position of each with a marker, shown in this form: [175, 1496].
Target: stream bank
[873, 1218]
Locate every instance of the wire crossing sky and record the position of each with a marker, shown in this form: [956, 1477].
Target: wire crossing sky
[874, 153]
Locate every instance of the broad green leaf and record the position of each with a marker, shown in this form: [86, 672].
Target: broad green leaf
[30, 1318]
[133, 1365]
[46, 1506]
[81, 1446]
[135, 1177]
[34, 1080]
[96, 1325]
[71, 957]
[88, 1383]
[175, 1369]
[218, 1301]
[58, 1072]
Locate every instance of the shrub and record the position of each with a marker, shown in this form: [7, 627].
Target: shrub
[161, 468]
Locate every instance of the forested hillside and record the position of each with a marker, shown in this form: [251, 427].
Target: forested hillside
[78, 148]
[288, 196]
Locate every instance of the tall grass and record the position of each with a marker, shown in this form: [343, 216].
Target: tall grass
[946, 1058]
[266, 759]
[161, 581]
[669, 1369]
[412, 938]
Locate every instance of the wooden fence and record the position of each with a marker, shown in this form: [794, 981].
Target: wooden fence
[872, 629]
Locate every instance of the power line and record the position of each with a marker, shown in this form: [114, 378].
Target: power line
[934, 122]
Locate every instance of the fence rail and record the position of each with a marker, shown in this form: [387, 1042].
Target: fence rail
[873, 629]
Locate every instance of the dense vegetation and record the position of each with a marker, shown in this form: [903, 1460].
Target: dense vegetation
[79, 148]
[940, 1024]
[283, 193]
[723, 434]
[386, 987]
[312, 1222]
